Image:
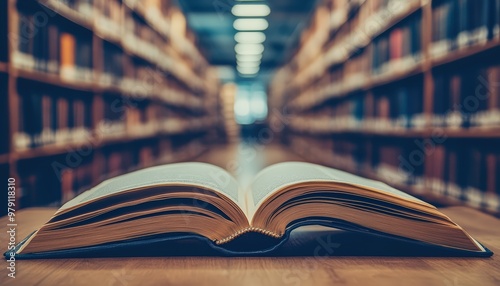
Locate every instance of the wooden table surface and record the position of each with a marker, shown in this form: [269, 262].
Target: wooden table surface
[261, 271]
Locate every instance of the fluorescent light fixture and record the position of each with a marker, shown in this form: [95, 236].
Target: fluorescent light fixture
[248, 64]
[252, 24]
[250, 37]
[247, 70]
[248, 58]
[251, 10]
[249, 49]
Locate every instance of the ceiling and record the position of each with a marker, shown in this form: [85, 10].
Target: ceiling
[212, 22]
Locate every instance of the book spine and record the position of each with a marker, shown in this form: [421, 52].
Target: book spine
[67, 58]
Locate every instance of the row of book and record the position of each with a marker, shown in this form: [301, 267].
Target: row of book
[113, 65]
[52, 48]
[109, 18]
[467, 98]
[143, 32]
[367, 23]
[401, 46]
[145, 23]
[462, 99]
[461, 23]
[85, 7]
[397, 50]
[52, 116]
[66, 176]
[425, 167]
[398, 107]
[46, 118]
[57, 182]
[144, 81]
[476, 182]
[66, 49]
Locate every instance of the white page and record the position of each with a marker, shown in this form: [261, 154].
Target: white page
[279, 175]
[196, 174]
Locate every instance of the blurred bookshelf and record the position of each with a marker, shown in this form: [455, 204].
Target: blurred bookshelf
[91, 89]
[407, 92]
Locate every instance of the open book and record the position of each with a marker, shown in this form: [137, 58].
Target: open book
[202, 200]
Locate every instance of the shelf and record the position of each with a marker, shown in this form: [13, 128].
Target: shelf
[55, 80]
[97, 142]
[354, 44]
[81, 20]
[473, 133]
[395, 76]
[458, 55]
[52, 79]
[352, 11]
[414, 7]
[69, 14]
[171, 68]
[417, 69]
[53, 149]
[371, 83]
[160, 28]
[126, 138]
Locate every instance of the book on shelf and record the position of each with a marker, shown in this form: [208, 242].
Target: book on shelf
[474, 183]
[203, 202]
[399, 49]
[85, 7]
[52, 48]
[461, 23]
[54, 184]
[109, 18]
[113, 65]
[48, 118]
[467, 98]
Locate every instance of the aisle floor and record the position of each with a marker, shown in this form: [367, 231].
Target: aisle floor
[244, 160]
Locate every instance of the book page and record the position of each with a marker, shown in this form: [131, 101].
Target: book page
[277, 176]
[195, 174]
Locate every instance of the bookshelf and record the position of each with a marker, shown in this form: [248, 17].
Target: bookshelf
[92, 89]
[388, 82]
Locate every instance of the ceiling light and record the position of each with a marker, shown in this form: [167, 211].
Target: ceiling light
[249, 49]
[248, 58]
[248, 64]
[247, 70]
[251, 10]
[254, 24]
[250, 37]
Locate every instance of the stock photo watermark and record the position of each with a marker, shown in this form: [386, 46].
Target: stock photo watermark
[11, 227]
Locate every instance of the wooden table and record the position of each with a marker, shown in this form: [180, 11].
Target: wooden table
[262, 271]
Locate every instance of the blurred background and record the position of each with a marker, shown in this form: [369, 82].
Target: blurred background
[406, 92]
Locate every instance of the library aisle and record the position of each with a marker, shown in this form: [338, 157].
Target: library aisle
[245, 160]
[406, 92]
